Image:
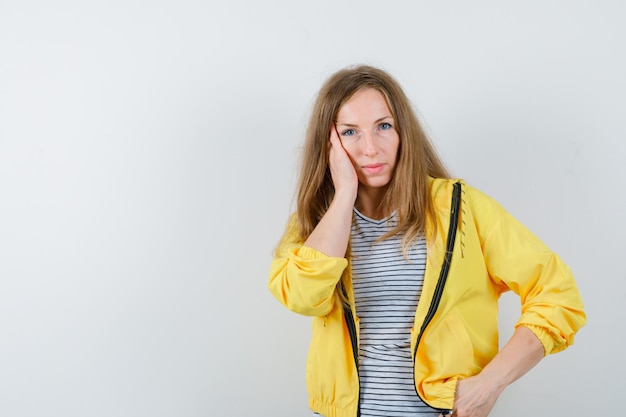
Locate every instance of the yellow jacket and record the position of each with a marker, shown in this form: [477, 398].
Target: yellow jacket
[455, 332]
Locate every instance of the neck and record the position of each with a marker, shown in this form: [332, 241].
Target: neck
[369, 202]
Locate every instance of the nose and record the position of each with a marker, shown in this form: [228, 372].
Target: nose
[370, 147]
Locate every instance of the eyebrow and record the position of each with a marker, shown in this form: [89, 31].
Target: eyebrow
[353, 125]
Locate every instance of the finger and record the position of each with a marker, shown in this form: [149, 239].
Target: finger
[334, 135]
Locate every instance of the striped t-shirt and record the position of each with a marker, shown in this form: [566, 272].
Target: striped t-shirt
[386, 289]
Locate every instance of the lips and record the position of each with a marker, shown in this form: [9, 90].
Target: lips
[373, 168]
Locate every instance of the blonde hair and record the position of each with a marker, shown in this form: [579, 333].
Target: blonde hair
[408, 191]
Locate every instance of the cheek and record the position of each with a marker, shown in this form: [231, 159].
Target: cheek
[394, 147]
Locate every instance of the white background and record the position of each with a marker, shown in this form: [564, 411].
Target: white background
[148, 154]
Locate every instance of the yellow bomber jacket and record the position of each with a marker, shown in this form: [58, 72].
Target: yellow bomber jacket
[455, 332]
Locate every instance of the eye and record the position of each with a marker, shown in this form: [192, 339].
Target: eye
[385, 126]
[349, 132]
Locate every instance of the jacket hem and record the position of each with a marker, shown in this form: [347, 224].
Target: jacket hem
[328, 410]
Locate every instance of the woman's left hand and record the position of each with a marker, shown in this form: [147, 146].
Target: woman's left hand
[475, 396]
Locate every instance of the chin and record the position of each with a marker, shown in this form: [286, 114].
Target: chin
[376, 183]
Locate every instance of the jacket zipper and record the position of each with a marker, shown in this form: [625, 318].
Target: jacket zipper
[443, 275]
[350, 322]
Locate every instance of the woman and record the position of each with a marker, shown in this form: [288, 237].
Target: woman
[401, 267]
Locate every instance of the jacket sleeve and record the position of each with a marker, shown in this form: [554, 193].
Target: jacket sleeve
[516, 259]
[302, 278]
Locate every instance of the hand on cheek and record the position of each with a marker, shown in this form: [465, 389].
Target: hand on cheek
[341, 168]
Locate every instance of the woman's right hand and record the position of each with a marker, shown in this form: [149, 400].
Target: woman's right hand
[342, 171]
[332, 233]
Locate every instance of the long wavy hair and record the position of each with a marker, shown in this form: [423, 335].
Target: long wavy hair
[408, 191]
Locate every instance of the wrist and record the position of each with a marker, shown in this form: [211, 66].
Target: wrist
[495, 381]
[345, 196]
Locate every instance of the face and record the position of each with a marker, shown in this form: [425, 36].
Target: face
[367, 132]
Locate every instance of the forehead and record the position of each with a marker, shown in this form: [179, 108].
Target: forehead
[365, 102]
